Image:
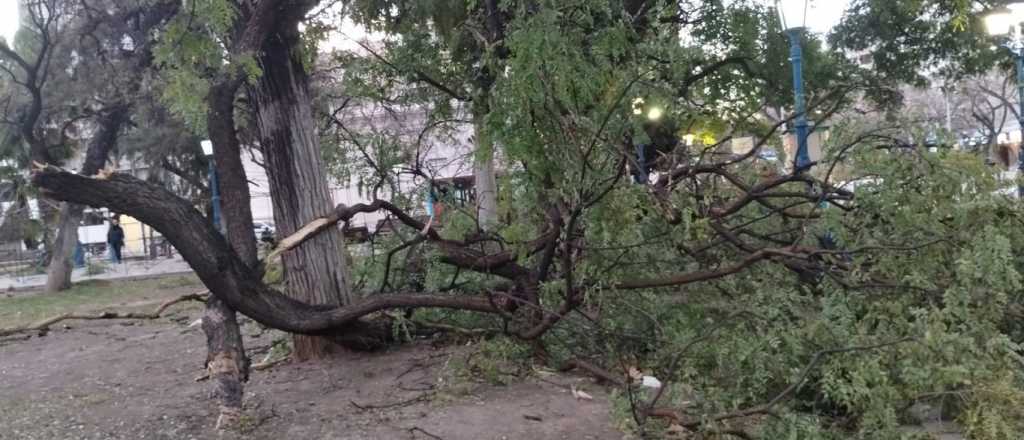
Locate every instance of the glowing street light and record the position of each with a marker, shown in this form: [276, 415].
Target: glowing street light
[688, 139]
[655, 113]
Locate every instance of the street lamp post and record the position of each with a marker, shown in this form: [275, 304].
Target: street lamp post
[793, 16]
[1009, 21]
[214, 186]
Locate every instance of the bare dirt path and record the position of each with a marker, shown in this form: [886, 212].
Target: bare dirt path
[109, 380]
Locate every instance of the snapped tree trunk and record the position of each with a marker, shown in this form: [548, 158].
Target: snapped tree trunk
[58, 274]
[225, 351]
[315, 272]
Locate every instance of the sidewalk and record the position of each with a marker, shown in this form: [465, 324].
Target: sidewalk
[127, 270]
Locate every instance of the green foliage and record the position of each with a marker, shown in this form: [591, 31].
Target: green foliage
[908, 37]
[920, 303]
[496, 360]
[191, 51]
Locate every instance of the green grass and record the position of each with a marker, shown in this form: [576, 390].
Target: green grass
[92, 295]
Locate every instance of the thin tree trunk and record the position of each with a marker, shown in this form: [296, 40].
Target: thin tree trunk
[315, 272]
[483, 159]
[58, 274]
[485, 179]
[225, 359]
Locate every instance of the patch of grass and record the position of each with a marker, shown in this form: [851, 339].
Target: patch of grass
[176, 281]
[493, 361]
[88, 296]
[95, 267]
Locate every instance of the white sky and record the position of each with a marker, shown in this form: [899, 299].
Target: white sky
[8, 19]
[822, 15]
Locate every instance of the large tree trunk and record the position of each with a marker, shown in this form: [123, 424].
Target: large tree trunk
[225, 358]
[58, 274]
[314, 273]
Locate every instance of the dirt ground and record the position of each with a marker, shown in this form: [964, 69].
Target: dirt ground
[136, 380]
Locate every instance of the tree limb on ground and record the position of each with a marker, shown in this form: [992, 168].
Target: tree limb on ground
[45, 324]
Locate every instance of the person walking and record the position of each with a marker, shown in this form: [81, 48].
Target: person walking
[115, 239]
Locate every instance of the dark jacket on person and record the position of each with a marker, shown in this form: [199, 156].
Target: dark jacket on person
[115, 235]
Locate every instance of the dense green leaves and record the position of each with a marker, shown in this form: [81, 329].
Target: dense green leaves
[918, 307]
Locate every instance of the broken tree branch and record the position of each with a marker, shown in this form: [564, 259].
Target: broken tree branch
[220, 268]
[44, 325]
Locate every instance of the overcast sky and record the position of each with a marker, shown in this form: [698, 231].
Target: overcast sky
[8, 19]
[823, 14]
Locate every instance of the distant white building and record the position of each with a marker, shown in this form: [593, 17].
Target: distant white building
[444, 156]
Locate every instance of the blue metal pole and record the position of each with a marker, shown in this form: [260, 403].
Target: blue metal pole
[796, 57]
[215, 191]
[1019, 55]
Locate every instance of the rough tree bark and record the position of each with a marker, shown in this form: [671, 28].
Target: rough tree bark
[484, 176]
[315, 273]
[241, 286]
[58, 274]
[226, 361]
[485, 179]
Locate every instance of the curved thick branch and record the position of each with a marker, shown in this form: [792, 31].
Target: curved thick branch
[220, 269]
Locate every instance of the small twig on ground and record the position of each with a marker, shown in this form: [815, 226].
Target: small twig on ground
[260, 366]
[12, 338]
[417, 366]
[414, 429]
[424, 363]
[44, 325]
[266, 365]
[593, 370]
[407, 402]
[560, 385]
[425, 387]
